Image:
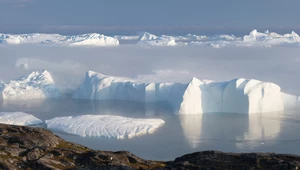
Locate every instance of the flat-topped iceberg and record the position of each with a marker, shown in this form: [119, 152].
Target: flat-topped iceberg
[108, 126]
[92, 39]
[18, 118]
[235, 96]
[33, 86]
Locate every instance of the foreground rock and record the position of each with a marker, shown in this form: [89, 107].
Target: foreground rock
[36, 148]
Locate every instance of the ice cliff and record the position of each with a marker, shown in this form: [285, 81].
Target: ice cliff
[235, 96]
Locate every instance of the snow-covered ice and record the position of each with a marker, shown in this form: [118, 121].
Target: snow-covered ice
[108, 126]
[18, 118]
[235, 96]
[33, 86]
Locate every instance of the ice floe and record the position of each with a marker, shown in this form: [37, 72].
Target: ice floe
[108, 126]
[18, 118]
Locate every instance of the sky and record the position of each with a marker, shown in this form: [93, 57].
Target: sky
[72, 16]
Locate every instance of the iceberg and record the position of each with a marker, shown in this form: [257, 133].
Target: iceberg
[33, 86]
[92, 39]
[159, 42]
[147, 37]
[18, 118]
[108, 126]
[101, 87]
[254, 38]
[235, 96]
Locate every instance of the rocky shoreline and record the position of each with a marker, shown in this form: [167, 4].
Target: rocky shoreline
[36, 148]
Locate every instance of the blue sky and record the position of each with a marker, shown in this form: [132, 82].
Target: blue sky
[92, 15]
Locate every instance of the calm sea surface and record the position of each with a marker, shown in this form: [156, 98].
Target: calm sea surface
[271, 132]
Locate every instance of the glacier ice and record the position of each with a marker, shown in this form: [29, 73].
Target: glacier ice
[108, 126]
[33, 86]
[235, 96]
[18, 118]
[92, 39]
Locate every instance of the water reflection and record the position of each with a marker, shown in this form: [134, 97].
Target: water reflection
[244, 131]
[192, 128]
[263, 129]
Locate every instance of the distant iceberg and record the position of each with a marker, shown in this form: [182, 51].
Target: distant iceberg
[33, 86]
[235, 96]
[93, 39]
[147, 37]
[18, 118]
[254, 38]
[152, 40]
[108, 126]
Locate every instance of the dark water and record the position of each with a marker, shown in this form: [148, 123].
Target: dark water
[270, 132]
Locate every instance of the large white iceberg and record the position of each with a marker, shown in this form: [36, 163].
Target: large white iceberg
[92, 39]
[108, 126]
[235, 96]
[33, 86]
[18, 118]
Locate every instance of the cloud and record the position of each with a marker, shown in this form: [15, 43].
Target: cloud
[36, 63]
[166, 76]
